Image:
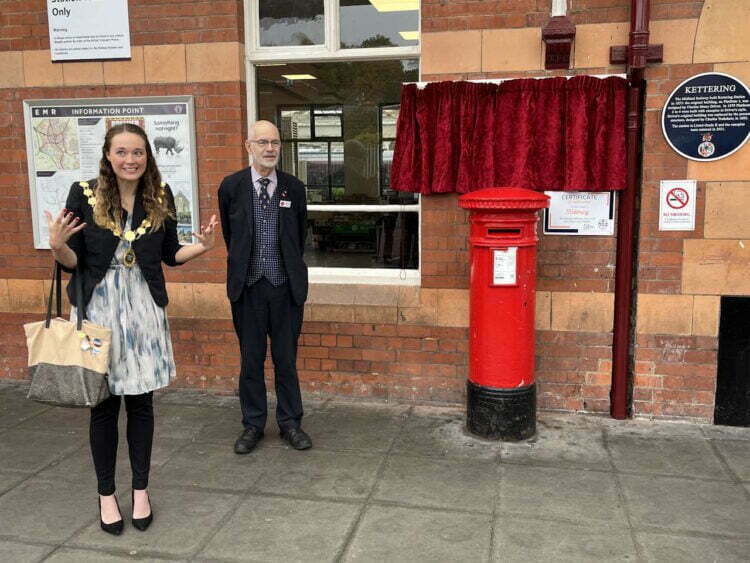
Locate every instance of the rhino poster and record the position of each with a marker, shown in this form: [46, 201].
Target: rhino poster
[64, 144]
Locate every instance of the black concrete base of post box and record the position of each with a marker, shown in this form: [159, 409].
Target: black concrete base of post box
[501, 414]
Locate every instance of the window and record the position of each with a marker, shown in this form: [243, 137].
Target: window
[329, 74]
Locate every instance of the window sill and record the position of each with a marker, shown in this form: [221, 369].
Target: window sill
[362, 276]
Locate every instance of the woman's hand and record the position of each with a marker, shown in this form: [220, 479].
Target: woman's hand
[207, 237]
[64, 226]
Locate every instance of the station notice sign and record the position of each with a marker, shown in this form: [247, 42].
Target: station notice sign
[707, 117]
[677, 205]
[82, 30]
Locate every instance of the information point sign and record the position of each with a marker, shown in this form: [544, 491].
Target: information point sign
[64, 145]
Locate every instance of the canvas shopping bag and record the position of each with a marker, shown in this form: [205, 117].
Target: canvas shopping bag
[67, 361]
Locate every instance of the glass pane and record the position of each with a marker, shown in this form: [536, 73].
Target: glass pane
[295, 124]
[291, 22]
[327, 121]
[362, 240]
[350, 103]
[312, 162]
[389, 117]
[379, 23]
[337, 164]
[287, 160]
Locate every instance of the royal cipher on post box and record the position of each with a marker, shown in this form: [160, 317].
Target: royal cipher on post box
[501, 393]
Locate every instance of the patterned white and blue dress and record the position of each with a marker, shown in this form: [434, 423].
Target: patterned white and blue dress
[141, 357]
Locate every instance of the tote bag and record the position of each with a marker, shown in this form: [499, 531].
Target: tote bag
[67, 361]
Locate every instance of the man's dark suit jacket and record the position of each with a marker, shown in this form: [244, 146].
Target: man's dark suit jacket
[95, 246]
[237, 225]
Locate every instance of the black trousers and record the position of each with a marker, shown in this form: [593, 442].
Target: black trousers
[264, 311]
[140, 434]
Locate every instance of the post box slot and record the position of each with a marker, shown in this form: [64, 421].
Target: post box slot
[498, 231]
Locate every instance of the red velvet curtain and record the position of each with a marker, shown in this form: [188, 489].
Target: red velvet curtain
[541, 134]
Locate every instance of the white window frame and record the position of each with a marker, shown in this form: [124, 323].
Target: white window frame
[330, 51]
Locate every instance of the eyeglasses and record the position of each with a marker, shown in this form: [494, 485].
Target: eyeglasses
[263, 143]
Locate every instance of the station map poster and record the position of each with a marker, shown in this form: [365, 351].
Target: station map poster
[64, 145]
[81, 30]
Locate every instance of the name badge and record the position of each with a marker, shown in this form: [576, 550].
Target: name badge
[285, 203]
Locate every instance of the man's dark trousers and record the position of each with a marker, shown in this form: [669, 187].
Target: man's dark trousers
[261, 311]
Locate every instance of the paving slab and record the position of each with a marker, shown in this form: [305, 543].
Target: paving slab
[204, 465]
[23, 553]
[195, 398]
[445, 483]
[10, 480]
[717, 432]
[280, 529]
[353, 428]
[183, 521]
[685, 457]
[569, 495]
[523, 540]
[397, 534]
[737, 455]
[55, 419]
[39, 509]
[225, 431]
[15, 407]
[663, 548]
[443, 436]
[67, 555]
[687, 505]
[652, 428]
[560, 447]
[320, 473]
[184, 421]
[78, 466]
[29, 451]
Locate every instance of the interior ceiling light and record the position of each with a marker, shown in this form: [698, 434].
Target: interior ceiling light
[395, 5]
[299, 76]
[409, 35]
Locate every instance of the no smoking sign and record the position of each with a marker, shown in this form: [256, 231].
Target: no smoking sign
[677, 205]
[677, 198]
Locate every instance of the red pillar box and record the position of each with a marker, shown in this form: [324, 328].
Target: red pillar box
[501, 393]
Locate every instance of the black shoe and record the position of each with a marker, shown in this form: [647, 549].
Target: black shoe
[297, 438]
[247, 440]
[115, 528]
[142, 524]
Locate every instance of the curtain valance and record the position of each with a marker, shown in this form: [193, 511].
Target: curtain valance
[541, 134]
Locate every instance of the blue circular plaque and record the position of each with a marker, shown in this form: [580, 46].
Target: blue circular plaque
[707, 117]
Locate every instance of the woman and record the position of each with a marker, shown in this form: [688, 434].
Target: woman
[114, 233]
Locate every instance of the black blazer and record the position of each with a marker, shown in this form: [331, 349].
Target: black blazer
[95, 246]
[238, 228]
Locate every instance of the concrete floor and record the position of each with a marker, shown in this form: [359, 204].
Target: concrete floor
[382, 483]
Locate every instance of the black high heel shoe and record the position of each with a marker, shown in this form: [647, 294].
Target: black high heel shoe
[115, 528]
[142, 524]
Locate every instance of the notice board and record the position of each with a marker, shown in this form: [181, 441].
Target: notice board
[64, 145]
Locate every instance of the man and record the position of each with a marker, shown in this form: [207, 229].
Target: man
[264, 221]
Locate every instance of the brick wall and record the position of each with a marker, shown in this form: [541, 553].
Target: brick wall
[457, 15]
[412, 344]
[23, 23]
